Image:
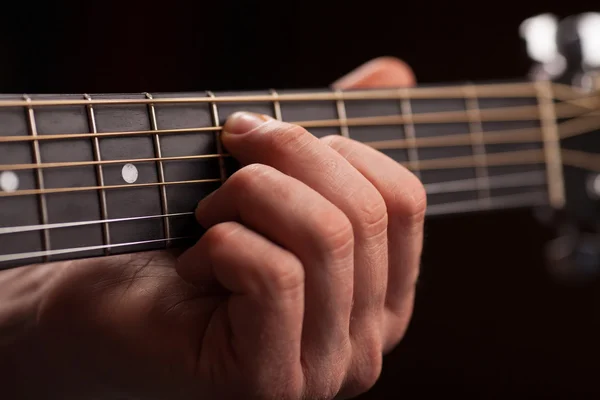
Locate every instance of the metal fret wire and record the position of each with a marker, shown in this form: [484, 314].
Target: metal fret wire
[215, 118]
[276, 105]
[99, 173]
[516, 180]
[39, 174]
[552, 150]
[341, 112]
[410, 136]
[160, 169]
[477, 142]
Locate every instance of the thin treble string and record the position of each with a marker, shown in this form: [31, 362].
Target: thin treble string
[514, 180]
[522, 157]
[72, 250]
[498, 202]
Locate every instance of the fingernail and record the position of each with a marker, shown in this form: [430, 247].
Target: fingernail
[242, 122]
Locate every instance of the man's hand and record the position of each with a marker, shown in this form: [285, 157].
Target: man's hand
[304, 278]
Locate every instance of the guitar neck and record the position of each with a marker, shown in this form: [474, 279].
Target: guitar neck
[92, 175]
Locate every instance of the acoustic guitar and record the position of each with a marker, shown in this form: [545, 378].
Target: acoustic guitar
[88, 175]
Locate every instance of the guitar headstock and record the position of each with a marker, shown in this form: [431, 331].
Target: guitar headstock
[567, 53]
[564, 50]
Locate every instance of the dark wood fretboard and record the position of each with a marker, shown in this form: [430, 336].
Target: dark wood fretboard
[89, 175]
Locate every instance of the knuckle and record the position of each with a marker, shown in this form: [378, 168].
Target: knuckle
[366, 378]
[373, 214]
[409, 202]
[249, 178]
[220, 235]
[286, 274]
[335, 232]
[334, 141]
[366, 368]
[369, 369]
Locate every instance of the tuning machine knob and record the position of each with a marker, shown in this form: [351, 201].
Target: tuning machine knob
[566, 50]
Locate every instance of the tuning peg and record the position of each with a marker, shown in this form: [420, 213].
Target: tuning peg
[566, 51]
[540, 35]
[588, 30]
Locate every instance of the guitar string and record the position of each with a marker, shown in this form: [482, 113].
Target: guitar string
[498, 159]
[508, 158]
[524, 135]
[500, 90]
[505, 181]
[525, 199]
[519, 113]
[71, 250]
[508, 136]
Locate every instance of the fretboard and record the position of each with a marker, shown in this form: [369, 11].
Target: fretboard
[92, 175]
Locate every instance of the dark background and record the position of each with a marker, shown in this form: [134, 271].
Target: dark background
[489, 322]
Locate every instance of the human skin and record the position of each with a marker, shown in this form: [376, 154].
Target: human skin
[295, 292]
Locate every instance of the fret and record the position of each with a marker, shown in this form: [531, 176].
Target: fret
[435, 161]
[313, 110]
[341, 111]
[410, 135]
[137, 185]
[39, 174]
[23, 210]
[160, 170]
[477, 141]
[99, 174]
[556, 190]
[189, 156]
[67, 206]
[216, 122]
[276, 105]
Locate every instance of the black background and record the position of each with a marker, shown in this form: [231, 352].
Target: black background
[489, 321]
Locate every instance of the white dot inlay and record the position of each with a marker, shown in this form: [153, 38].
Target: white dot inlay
[129, 173]
[9, 181]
